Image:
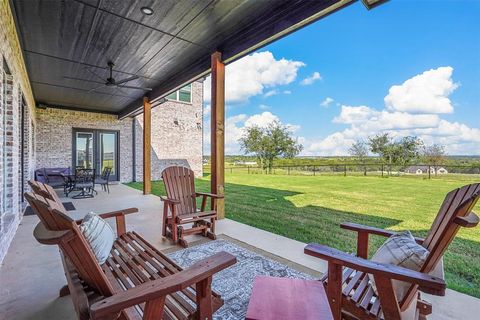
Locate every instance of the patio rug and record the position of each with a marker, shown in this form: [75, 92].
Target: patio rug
[235, 283]
[68, 206]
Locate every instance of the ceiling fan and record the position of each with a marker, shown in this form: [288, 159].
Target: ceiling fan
[110, 81]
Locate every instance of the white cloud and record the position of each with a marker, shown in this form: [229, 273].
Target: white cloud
[458, 138]
[326, 102]
[253, 74]
[271, 93]
[235, 128]
[274, 92]
[206, 110]
[311, 79]
[424, 93]
[412, 108]
[350, 115]
[264, 107]
[261, 120]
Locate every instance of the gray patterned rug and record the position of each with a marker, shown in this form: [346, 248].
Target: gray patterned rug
[235, 283]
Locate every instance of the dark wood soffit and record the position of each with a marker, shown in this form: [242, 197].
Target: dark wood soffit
[264, 30]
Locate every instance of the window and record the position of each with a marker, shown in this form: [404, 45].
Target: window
[183, 95]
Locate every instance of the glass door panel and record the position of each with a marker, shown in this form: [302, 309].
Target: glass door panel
[84, 153]
[108, 154]
[96, 149]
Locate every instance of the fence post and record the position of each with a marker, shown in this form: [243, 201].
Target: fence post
[313, 170]
[429, 168]
[288, 170]
[382, 169]
[365, 170]
[248, 170]
[345, 170]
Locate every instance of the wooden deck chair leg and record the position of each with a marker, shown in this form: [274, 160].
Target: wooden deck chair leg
[175, 232]
[212, 228]
[211, 233]
[204, 299]
[64, 291]
[334, 289]
[165, 220]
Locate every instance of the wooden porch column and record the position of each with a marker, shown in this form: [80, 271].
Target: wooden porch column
[218, 131]
[147, 130]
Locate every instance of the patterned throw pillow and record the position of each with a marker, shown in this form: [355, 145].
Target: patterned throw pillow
[99, 235]
[400, 250]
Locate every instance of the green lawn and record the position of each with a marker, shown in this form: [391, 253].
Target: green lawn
[310, 209]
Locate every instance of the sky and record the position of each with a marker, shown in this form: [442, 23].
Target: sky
[406, 67]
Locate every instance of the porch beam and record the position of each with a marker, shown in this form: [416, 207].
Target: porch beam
[217, 135]
[147, 145]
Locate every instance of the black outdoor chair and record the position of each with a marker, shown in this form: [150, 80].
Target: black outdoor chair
[84, 181]
[105, 179]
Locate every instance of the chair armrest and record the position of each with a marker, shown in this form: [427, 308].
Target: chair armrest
[372, 230]
[169, 200]
[159, 288]
[113, 214]
[427, 283]
[211, 195]
[118, 213]
[119, 216]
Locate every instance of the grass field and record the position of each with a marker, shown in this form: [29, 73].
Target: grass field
[310, 209]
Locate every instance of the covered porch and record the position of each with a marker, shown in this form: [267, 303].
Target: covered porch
[41, 263]
[51, 70]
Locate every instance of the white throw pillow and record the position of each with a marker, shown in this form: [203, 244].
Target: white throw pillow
[400, 250]
[99, 235]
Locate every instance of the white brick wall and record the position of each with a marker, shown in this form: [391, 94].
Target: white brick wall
[54, 137]
[176, 135]
[10, 137]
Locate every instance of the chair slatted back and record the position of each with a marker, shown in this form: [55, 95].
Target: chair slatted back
[74, 246]
[458, 203]
[44, 190]
[180, 185]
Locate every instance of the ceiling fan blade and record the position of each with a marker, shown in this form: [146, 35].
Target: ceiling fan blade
[79, 79]
[96, 75]
[91, 90]
[127, 79]
[138, 88]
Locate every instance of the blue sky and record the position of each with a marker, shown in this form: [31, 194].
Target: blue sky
[406, 67]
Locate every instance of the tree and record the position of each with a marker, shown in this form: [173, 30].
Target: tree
[359, 150]
[401, 152]
[408, 150]
[434, 155]
[269, 143]
[382, 145]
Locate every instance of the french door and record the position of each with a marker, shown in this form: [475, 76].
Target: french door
[96, 149]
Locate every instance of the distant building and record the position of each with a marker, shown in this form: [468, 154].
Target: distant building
[424, 170]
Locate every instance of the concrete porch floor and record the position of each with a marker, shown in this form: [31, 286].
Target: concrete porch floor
[32, 274]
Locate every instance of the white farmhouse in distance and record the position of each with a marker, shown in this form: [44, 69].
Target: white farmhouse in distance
[424, 170]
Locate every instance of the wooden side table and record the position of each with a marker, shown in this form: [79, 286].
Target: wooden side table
[288, 299]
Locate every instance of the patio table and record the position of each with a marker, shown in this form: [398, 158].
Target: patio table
[288, 299]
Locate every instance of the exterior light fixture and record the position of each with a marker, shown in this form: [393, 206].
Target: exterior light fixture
[146, 11]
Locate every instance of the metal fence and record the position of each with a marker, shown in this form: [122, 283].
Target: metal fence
[372, 169]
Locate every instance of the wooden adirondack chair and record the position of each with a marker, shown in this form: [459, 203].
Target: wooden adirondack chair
[180, 206]
[349, 290]
[136, 282]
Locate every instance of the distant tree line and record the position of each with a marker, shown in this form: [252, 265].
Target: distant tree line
[400, 152]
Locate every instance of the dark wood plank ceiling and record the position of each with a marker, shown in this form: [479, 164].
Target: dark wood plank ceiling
[64, 39]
